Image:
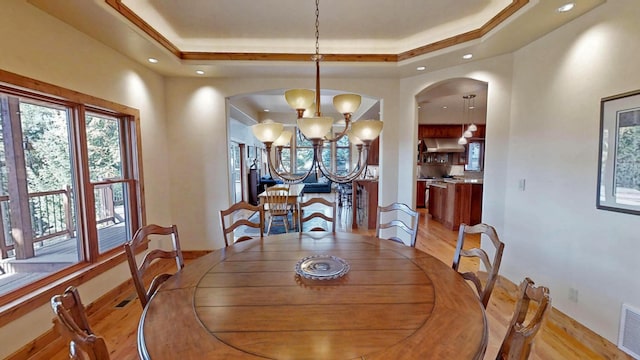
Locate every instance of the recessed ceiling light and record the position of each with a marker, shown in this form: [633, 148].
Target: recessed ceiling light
[421, 68]
[566, 7]
[266, 110]
[444, 107]
[467, 56]
[153, 60]
[199, 72]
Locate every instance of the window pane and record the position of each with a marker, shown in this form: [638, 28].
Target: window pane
[103, 145]
[326, 156]
[37, 192]
[473, 158]
[342, 161]
[343, 141]
[627, 164]
[302, 141]
[112, 214]
[304, 159]
[286, 159]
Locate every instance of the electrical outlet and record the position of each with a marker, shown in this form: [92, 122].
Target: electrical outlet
[573, 295]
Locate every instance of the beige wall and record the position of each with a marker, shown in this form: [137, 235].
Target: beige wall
[198, 138]
[542, 126]
[41, 47]
[554, 232]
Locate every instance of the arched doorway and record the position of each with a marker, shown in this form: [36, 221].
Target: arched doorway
[450, 153]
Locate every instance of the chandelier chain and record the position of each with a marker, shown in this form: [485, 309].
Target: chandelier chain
[317, 28]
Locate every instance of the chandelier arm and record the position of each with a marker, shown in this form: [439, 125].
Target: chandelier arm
[342, 179]
[286, 178]
[279, 160]
[342, 133]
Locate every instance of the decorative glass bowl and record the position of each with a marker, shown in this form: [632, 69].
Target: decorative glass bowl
[322, 267]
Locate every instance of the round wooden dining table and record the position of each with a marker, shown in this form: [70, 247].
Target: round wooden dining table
[246, 301]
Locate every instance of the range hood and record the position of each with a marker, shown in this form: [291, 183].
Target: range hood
[442, 145]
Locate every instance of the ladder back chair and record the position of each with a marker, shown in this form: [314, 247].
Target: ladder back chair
[315, 207]
[140, 271]
[278, 206]
[520, 336]
[237, 216]
[399, 210]
[72, 324]
[492, 267]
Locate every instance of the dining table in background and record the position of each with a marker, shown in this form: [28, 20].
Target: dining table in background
[246, 301]
[296, 191]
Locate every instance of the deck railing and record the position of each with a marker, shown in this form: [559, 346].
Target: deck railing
[52, 215]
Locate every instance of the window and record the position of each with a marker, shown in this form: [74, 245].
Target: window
[618, 169]
[304, 153]
[335, 156]
[475, 154]
[343, 156]
[69, 186]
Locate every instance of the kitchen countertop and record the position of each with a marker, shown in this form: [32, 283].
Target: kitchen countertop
[443, 182]
[463, 181]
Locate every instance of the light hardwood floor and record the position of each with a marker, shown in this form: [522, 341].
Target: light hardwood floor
[560, 338]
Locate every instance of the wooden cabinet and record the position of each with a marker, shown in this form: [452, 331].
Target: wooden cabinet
[253, 183]
[421, 186]
[437, 198]
[463, 205]
[374, 152]
[447, 131]
[455, 204]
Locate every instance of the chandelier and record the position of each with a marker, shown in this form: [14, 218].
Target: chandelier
[468, 105]
[317, 129]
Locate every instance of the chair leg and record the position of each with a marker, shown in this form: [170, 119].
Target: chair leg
[269, 225]
[286, 223]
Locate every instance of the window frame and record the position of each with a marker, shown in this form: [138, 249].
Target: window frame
[27, 298]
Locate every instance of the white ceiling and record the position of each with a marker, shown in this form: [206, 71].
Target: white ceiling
[355, 27]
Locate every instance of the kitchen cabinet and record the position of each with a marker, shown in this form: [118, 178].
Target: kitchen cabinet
[463, 201]
[437, 198]
[455, 203]
[448, 131]
[421, 186]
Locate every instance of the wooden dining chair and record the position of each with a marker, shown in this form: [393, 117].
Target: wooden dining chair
[278, 206]
[398, 211]
[72, 324]
[315, 208]
[238, 216]
[492, 267]
[138, 271]
[520, 336]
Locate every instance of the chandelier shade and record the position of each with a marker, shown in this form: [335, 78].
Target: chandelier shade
[283, 139]
[366, 130]
[267, 131]
[315, 128]
[347, 103]
[353, 139]
[299, 98]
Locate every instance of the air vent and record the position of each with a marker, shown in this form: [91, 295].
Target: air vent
[124, 302]
[629, 337]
